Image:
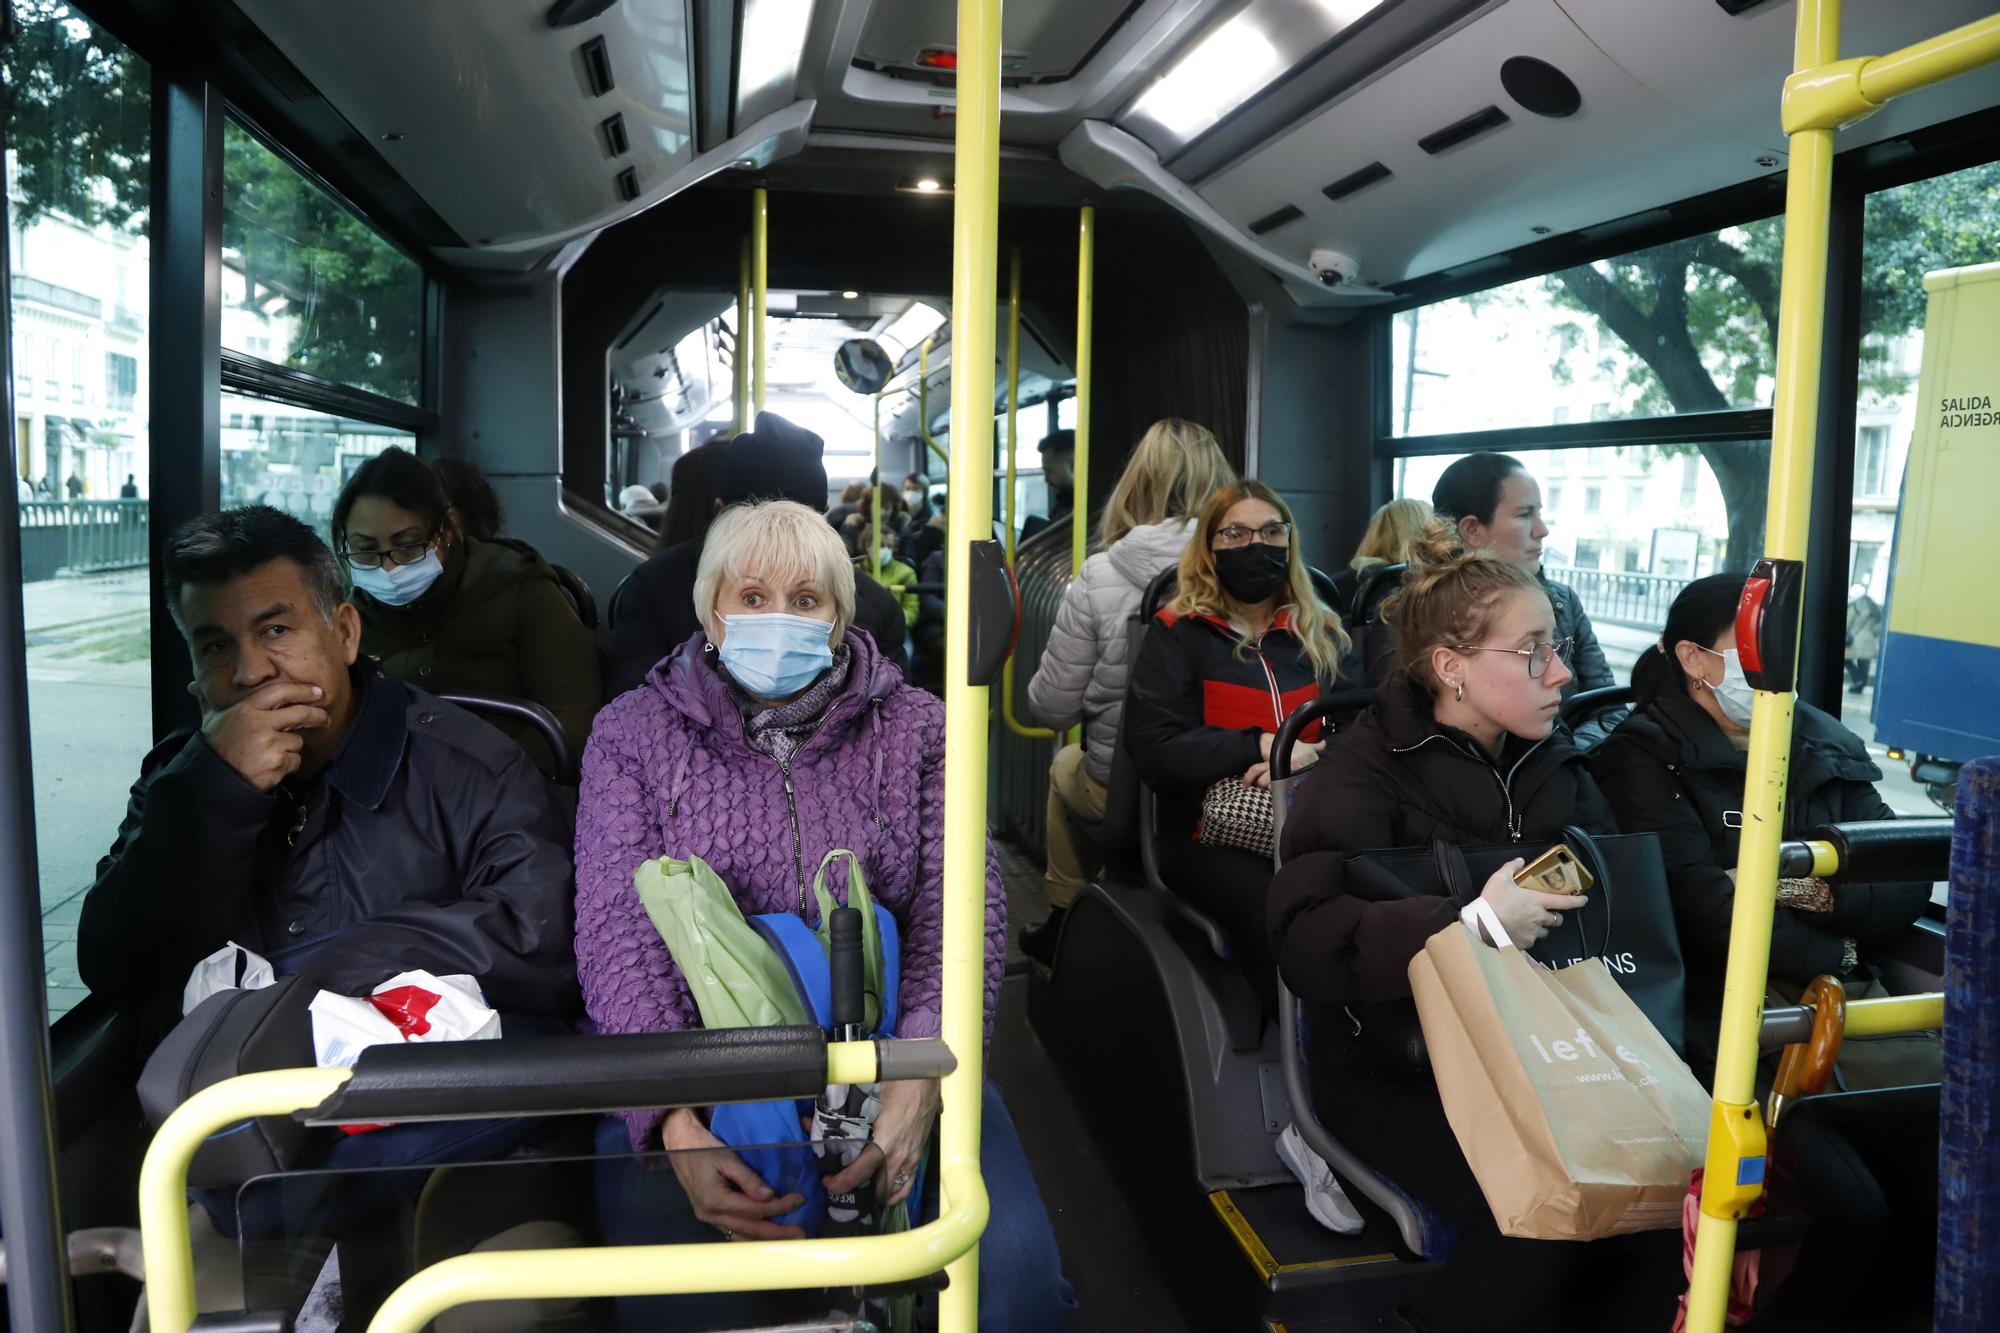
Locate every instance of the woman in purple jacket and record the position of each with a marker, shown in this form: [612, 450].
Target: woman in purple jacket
[776, 735]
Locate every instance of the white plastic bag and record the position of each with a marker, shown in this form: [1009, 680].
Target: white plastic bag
[410, 1006]
[232, 967]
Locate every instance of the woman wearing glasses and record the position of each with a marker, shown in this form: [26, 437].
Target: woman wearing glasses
[1244, 642]
[1462, 747]
[448, 612]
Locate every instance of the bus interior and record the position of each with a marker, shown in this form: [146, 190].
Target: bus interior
[570, 243]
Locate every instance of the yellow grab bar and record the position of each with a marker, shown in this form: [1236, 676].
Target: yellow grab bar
[1823, 93]
[1086, 293]
[924, 404]
[739, 370]
[760, 268]
[1014, 724]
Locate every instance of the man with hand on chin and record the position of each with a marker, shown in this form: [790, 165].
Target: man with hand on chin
[345, 826]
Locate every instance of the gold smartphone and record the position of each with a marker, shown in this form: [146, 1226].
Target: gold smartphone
[1555, 871]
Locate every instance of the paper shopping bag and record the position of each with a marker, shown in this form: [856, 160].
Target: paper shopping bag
[1576, 1117]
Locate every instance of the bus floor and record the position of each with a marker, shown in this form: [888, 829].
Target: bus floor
[1118, 1277]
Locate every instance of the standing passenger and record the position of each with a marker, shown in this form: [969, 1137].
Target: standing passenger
[446, 611]
[1147, 524]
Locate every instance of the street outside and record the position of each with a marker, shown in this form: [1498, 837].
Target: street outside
[88, 691]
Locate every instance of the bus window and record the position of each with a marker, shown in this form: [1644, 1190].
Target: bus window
[78, 135]
[294, 458]
[308, 285]
[1909, 231]
[1548, 350]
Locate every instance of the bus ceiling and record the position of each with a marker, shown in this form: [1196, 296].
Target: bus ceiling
[1348, 147]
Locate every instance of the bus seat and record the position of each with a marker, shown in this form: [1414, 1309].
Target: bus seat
[1591, 714]
[532, 713]
[617, 595]
[581, 599]
[1373, 638]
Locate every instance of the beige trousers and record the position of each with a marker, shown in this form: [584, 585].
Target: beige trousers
[1073, 795]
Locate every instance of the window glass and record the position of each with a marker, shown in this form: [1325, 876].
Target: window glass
[1914, 691]
[78, 136]
[1626, 540]
[294, 458]
[1682, 327]
[307, 284]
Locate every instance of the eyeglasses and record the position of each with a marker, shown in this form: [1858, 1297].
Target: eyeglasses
[1235, 535]
[1538, 656]
[407, 554]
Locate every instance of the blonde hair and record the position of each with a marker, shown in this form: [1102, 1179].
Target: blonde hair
[1447, 597]
[1392, 533]
[776, 542]
[1176, 466]
[1316, 625]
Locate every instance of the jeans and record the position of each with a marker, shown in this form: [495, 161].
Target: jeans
[1021, 1286]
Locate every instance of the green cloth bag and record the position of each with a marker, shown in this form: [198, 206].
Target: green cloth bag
[736, 979]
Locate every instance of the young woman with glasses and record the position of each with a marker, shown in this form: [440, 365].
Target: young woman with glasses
[445, 611]
[1462, 746]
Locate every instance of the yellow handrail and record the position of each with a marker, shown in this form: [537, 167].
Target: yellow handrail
[975, 226]
[739, 371]
[1823, 93]
[924, 404]
[1086, 297]
[1013, 723]
[760, 260]
[875, 518]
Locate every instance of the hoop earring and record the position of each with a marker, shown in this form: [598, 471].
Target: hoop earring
[1458, 689]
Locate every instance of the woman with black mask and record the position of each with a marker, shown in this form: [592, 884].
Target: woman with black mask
[1244, 642]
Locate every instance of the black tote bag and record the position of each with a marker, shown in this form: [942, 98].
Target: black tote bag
[1627, 918]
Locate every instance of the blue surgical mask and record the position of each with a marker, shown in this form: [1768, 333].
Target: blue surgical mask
[399, 585]
[775, 655]
[1734, 693]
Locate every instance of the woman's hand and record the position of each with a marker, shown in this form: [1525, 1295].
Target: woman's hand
[1304, 754]
[723, 1191]
[1525, 914]
[902, 1128]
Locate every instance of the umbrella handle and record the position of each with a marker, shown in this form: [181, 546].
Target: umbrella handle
[1805, 1067]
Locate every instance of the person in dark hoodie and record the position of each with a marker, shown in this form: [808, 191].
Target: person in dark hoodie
[1462, 746]
[656, 613]
[1677, 766]
[446, 611]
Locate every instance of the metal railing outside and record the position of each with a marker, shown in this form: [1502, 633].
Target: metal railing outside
[1615, 597]
[82, 536]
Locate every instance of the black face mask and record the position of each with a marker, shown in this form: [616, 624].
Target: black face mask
[1254, 572]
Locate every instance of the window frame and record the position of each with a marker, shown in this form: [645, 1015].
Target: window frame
[1937, 150]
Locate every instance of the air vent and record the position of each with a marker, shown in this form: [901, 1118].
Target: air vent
[1355, 181]
[1474, 125]
[568, 13]
[1540, 87]
[597, 67]
[1273, 221]
[628, 184]
[615, 142]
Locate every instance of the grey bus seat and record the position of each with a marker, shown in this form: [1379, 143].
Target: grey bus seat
[532, 713]
[581, 599]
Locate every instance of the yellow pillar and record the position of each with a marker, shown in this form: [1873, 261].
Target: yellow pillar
[1007, 713]
[760, 255]
[975, 227]
[1086, 282]
[745, 340]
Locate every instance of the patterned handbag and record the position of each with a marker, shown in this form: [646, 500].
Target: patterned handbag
[1233, 815]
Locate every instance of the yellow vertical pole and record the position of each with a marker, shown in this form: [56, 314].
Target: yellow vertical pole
[1733, 1174]
[875, 502]
[745, 346]
[975, 228]
[1013, 397]
[1007, 714]
[760, 258]
[1086, 285]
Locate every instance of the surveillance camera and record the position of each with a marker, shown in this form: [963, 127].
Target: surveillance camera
[1333, 267]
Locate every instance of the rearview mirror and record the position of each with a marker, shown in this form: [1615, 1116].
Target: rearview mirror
[862, 365]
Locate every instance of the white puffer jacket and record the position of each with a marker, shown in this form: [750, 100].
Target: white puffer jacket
[1084, 669]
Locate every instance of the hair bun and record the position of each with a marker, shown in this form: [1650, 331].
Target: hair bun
[1436, 548]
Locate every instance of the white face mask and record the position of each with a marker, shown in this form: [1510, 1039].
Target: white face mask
[914, 499]
[1734, 693]
[399, 585]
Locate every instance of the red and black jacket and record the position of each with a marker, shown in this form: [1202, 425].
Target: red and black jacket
[1198, 701]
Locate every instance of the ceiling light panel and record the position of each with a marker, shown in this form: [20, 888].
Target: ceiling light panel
[1231, 63]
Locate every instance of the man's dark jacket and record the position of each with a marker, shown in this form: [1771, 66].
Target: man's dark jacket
[656, 615]
[430, 841]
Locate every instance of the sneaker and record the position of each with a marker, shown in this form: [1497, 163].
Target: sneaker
[1325, 1200]
[1039, 942]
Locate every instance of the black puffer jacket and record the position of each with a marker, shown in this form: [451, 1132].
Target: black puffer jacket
[430, 841]
[1198, 704]
[1670, 769]
[1398, 778]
